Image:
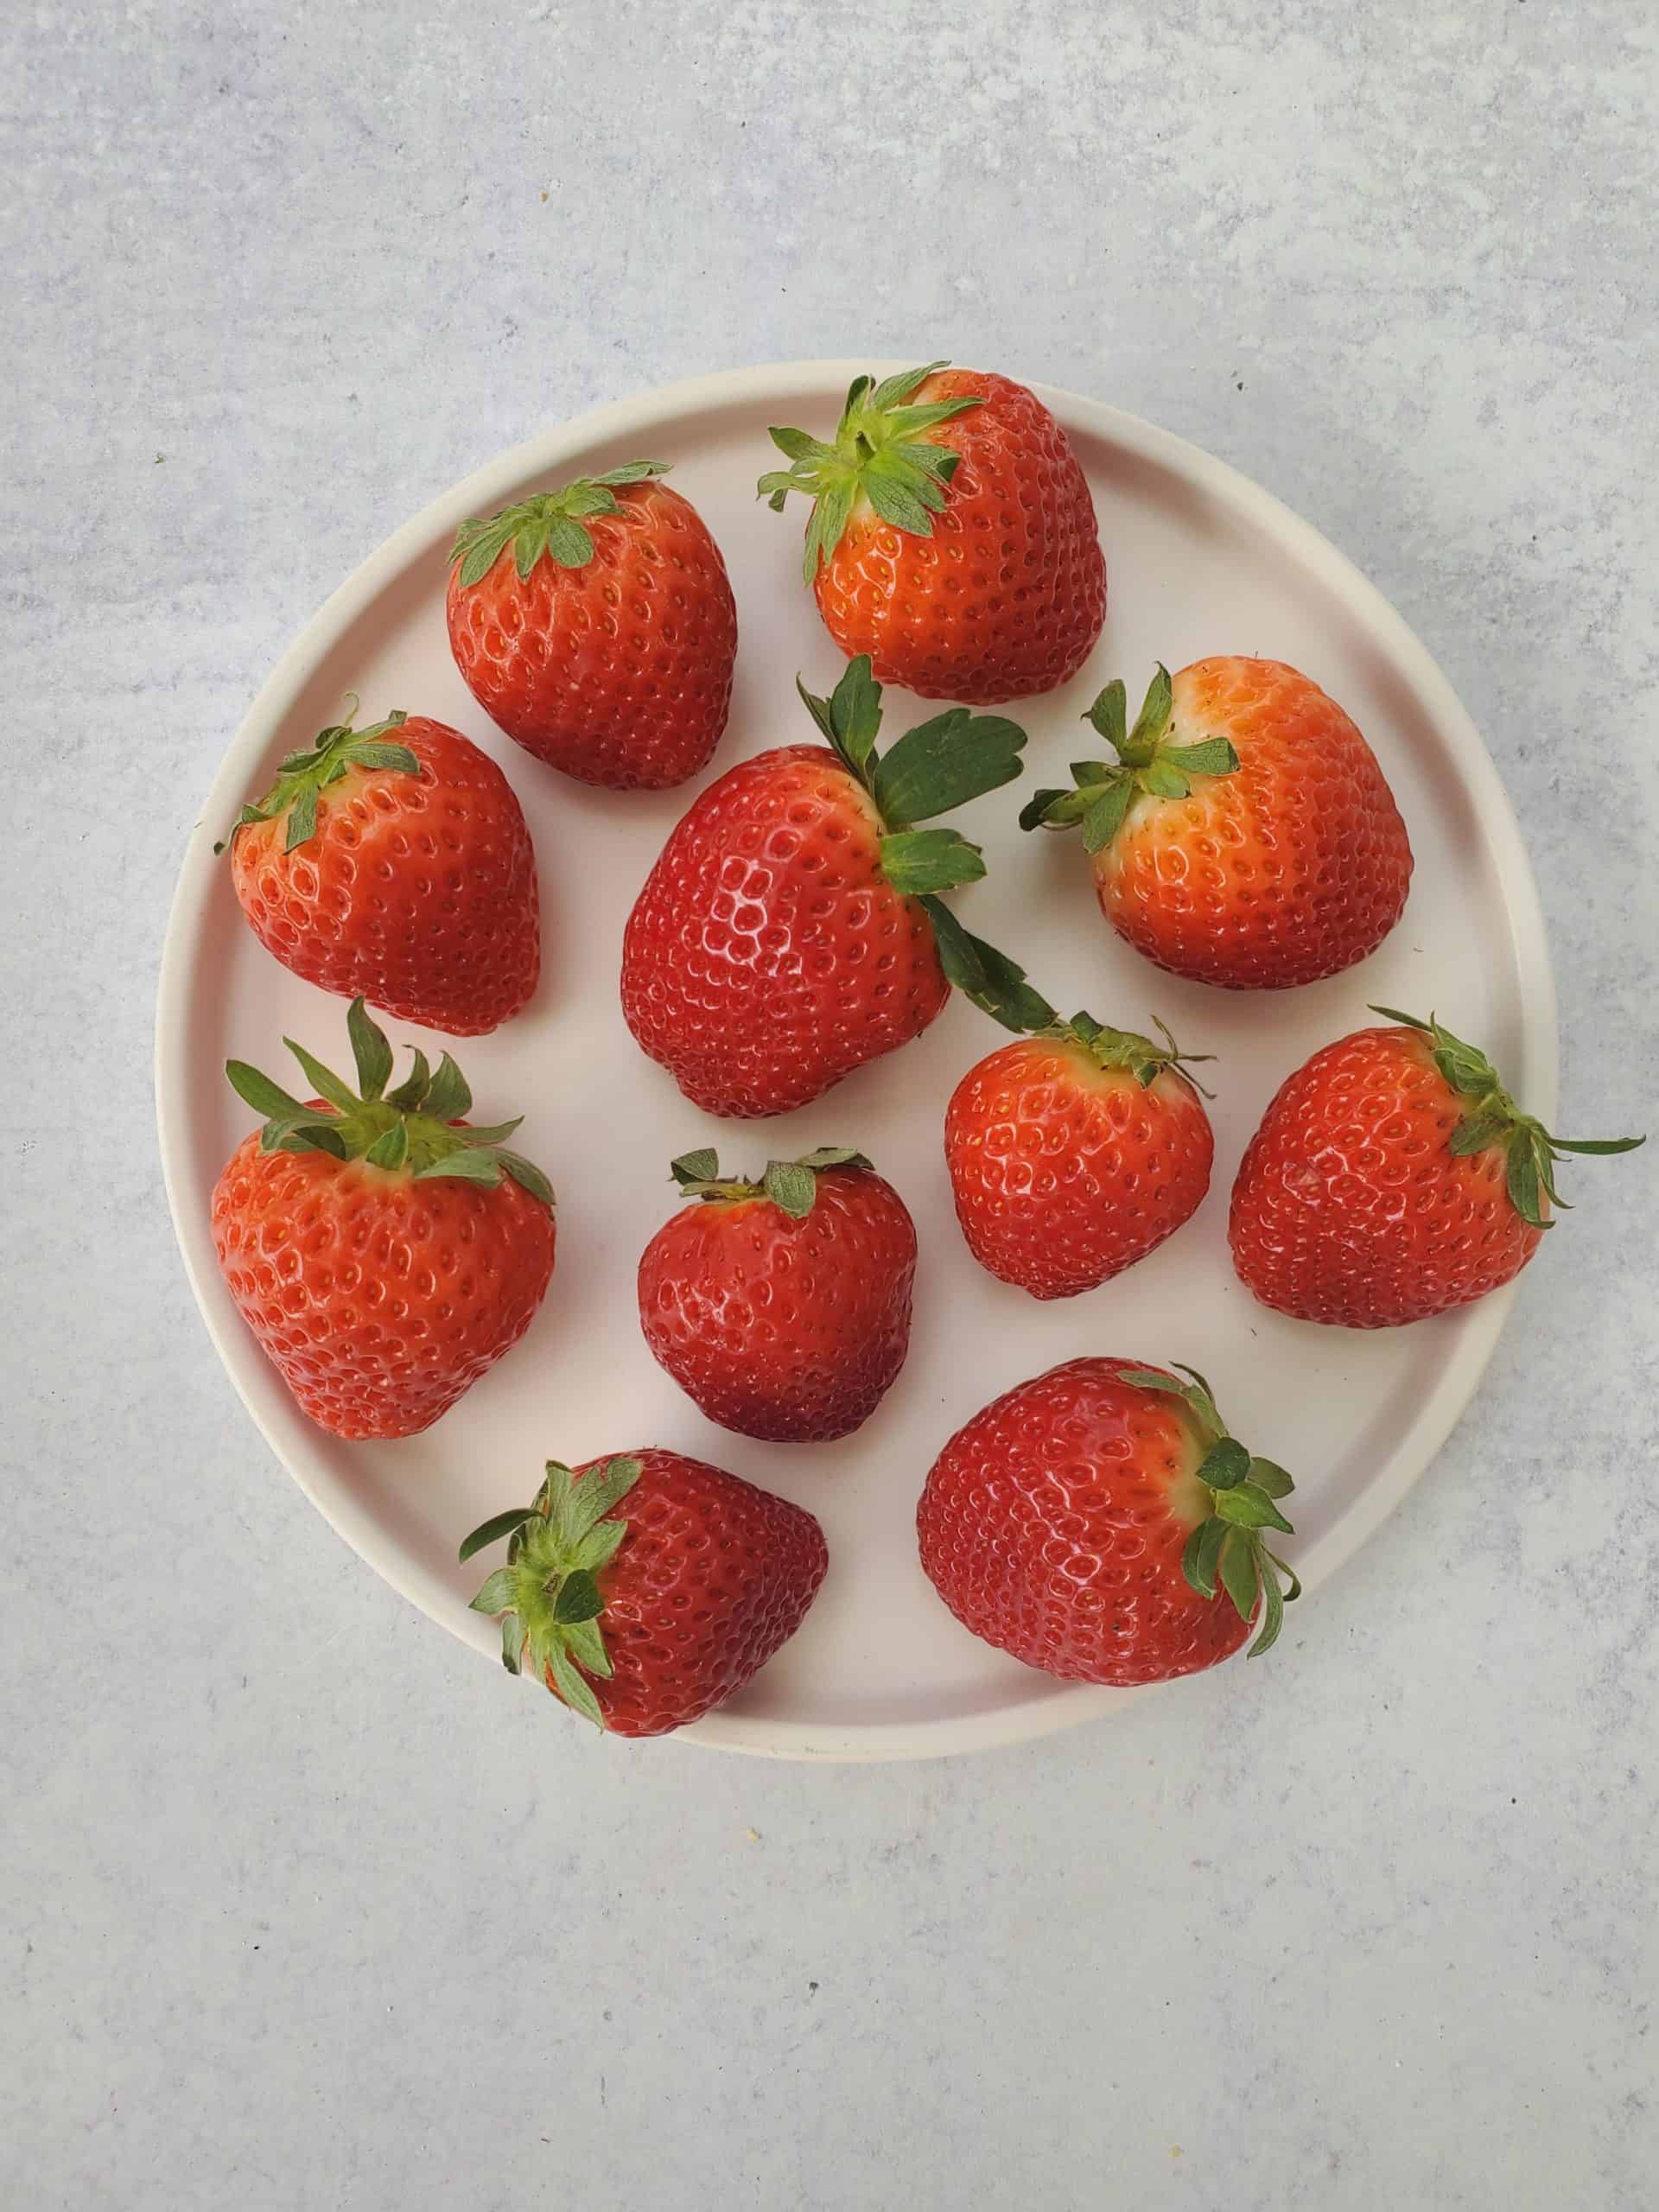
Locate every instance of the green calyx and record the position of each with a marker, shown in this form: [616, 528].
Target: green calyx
[301, 776]
[1229, 1545]
[878, 456]
[1104, 790]
[1125, 1048]
[1492, 1118]
[939, 765]
[792, 1185]
[547, 1594]
[411, 1130]
[548, 523]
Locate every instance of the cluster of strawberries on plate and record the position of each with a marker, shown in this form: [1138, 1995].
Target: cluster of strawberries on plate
[1099, 1521]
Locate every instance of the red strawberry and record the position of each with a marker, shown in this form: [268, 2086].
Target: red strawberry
[398, 869]
[385, 1253]
[596, 626]
[782, 1307]
[1074, 1153]
[644, 1619]
[1246, 835]
[1082, 1520]
[965, 561]
[789, 932]
[1393, 1176]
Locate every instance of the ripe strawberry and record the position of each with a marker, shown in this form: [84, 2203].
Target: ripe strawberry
[1075, 1153]
[964, 562]
[644, 1620]
[1246, 837]
[397, 869]
[789, 932]
[1082, 1520]
[385, 1253]
[1394, 1177]
[782, 1307]
[605, 644]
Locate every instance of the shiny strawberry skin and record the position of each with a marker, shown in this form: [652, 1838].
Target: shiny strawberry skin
[1007, 595]
[789, 1330]
[1291, 869]
[417, 892]
[618, 672]
[379, 1299]
[1348, 1208]
[1052, 1526]
[1064, 1172]
[713, 1576]
[766, 958]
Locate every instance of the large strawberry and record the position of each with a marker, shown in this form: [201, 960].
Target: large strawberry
[646, 1589]
[394, 863]
[1075, 1153]
[596, 624]
[1394, 1177]
[782, 1307]
[953, 537]
[1084, 1521]
[1245, 834]
[384, 1253]
[790, 930]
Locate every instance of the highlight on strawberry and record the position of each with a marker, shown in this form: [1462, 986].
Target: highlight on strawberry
[952, 536]
[646, 1588]
[1394, 1177]
[1244, 836]
[385, 1252]
[791, 929]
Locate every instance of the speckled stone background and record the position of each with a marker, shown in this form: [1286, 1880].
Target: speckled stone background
[299, 1906]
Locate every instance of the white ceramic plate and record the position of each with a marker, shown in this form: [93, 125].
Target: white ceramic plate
[1200, 561]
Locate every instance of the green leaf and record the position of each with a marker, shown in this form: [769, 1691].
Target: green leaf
[1105, 817]
[917, 861]
[1405, 1020]
[586, 1644]
[267, 1098]
[578, 1599]
[491, 1531]
[1477, 1130]
[1213, 756]
[1273, 1560]
[834, 1155]
[1241, 1572]
[830, 519]
[1605, 1145]
[1267, 1475]
[1110, 714]
[820, 711]
[480, 553]
[1523, 1184]
[1162, 781]
[631, 471]
[1153, 718]
[1085, 773]
[587, 497]
[792, 1188]
[497, 1593]
[447, 1096]
[599, 1545]
[569, 543]
[995, 983]
[480, 1136]
[369, 1051]
[467, 1166]
[894, 390]
[795, 445]
[855, 714]
[512, 1642]
[1246, 1507]
[1189, 1552]
[1212, 1535]
[391, 1148]
[525, 1174]
[700, 1166]
[322, 1080]
[599, 1492]
[894, 499]
[572, 1687]
[1052, 810]
[944, 763]
[303, 1132]
[1272, 1617]
[302, 818]
[411, 1093]
[1225, 1464]
[383, 756]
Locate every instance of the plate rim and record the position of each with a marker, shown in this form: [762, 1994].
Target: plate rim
[1053, 1705]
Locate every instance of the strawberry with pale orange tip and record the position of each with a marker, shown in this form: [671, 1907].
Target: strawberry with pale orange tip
[1245, 834]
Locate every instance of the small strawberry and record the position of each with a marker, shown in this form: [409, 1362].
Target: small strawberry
[1245, 836]
[643, 1619]
[596, 624]
[1075, 1153]
[384, 1253]
[964, 562]
[1394, 1177]
[782, 1307]
[1083, 1520]
[789, 932]
[394, 863]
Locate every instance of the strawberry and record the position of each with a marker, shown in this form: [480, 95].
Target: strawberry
[1394, 1177]
[782, 1307]
[398, 868]
[1083, 1520]
[646, 1589]
[1075, 1153]
[596, 624]
[965, 561]
[384, 1252]
[1245, 836]
[790, 933]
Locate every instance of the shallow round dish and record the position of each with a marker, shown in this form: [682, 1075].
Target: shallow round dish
[1201, 561]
